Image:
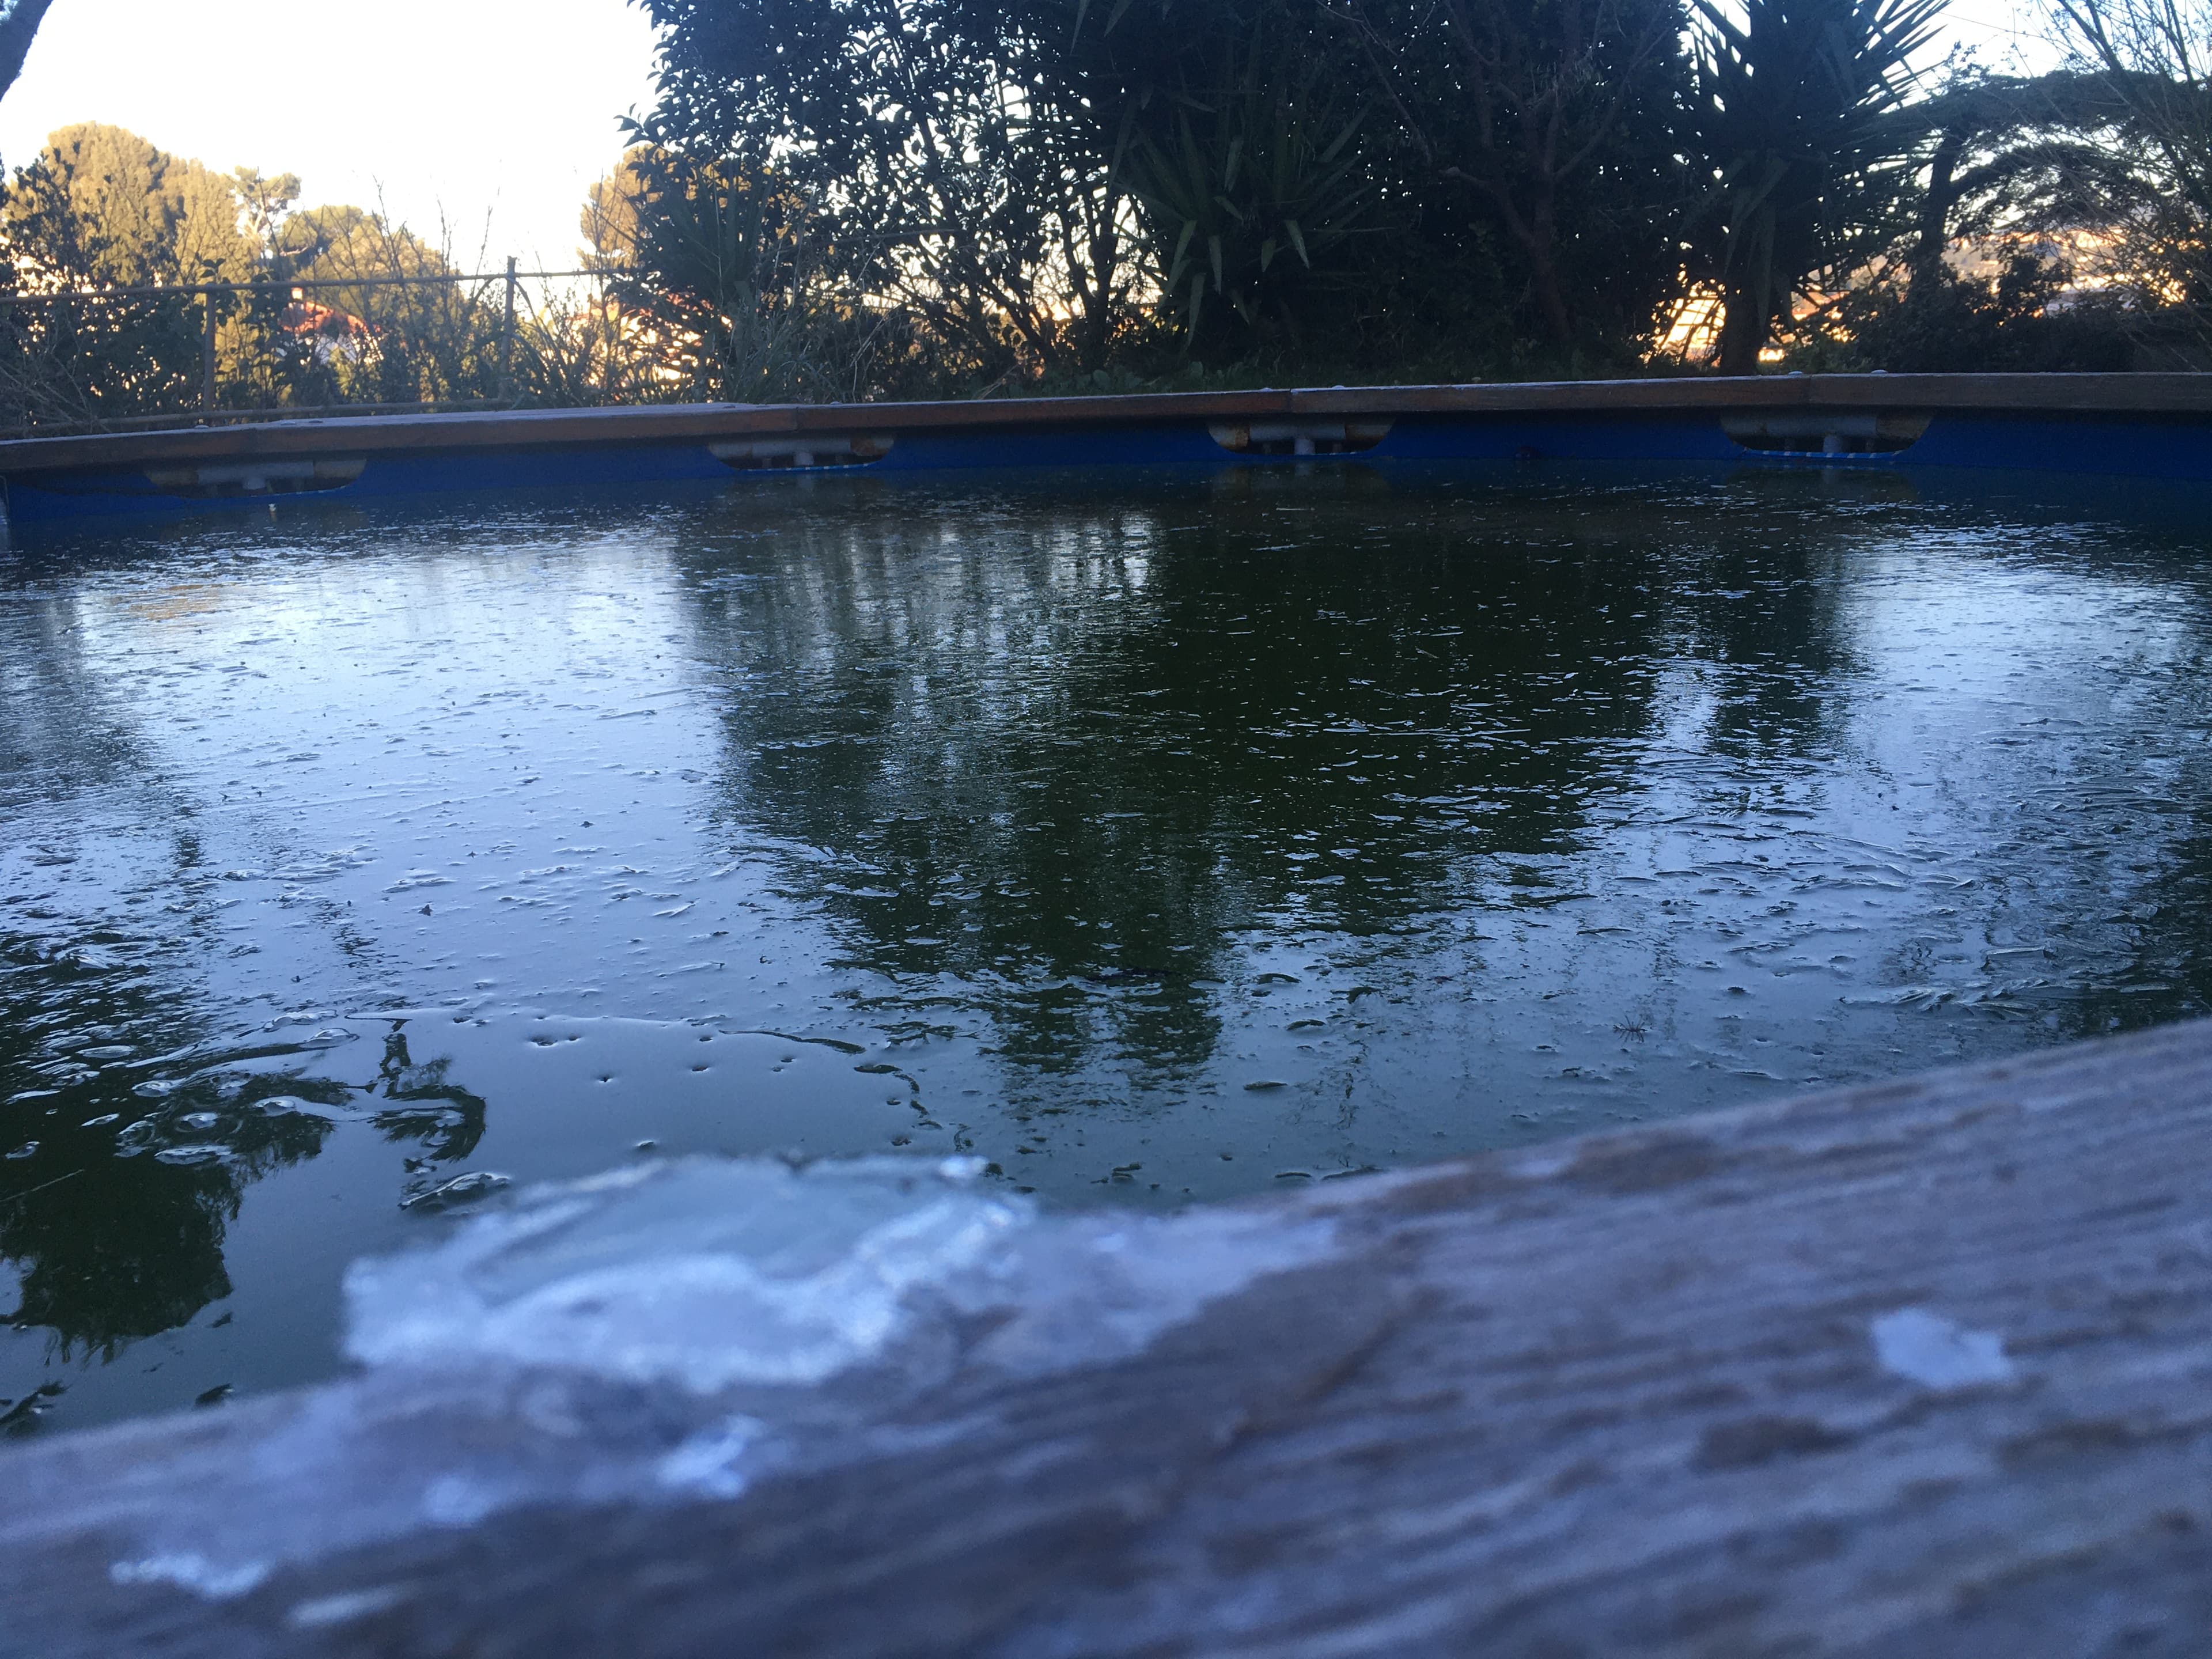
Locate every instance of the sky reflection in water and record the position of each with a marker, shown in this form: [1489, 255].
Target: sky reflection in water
[1152, 839]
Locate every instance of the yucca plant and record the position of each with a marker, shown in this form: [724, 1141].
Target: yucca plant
[1247, 183]
[1807, 147]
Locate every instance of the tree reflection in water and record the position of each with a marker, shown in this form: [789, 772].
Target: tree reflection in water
[1069, 741]
[128, 1172]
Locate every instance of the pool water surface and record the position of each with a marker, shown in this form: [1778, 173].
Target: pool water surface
[1151, 839]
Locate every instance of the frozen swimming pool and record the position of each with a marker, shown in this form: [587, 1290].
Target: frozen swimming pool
[1154, 839]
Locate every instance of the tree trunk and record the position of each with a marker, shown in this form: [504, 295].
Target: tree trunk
[1535, 235]
[1546, 280]
[1743, 330]
[1543, 270]
[1935, 227]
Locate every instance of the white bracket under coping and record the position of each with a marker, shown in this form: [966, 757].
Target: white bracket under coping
[1825, 434]
[802, 449]
[258, 477]
[1298, 437]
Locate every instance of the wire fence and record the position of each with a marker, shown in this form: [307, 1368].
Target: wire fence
[121, 359]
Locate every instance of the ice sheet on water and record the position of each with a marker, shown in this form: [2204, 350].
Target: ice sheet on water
[712, 1273]
[704, 1273]
[659, 1335]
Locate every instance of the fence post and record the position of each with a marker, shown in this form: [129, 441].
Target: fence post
[507, 337]
[207, 351]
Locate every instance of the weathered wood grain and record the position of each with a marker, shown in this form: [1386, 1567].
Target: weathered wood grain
[2163, 394]
[1615, 1396]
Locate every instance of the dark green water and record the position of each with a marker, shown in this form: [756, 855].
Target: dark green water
[1154, 840]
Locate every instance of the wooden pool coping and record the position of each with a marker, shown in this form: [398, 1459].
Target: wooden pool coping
[2078, 395]
[1921, 1367]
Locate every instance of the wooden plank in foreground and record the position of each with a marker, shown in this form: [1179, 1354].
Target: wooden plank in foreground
[1921, 1368]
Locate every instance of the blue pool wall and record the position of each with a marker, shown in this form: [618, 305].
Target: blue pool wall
[2173, 449]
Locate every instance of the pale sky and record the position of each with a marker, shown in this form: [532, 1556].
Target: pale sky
[499, 108]
[2006, 37]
